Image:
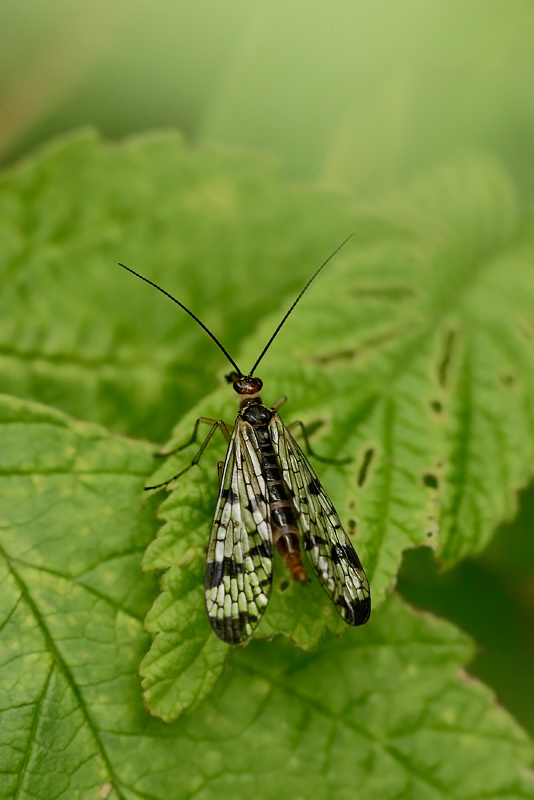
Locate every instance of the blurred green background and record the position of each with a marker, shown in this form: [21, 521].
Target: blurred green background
[357, 94]
[352, 96]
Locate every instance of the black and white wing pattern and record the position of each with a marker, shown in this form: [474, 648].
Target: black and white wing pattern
[240, 552]
[329, 549]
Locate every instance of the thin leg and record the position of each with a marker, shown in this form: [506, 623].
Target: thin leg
[309, 450]
[192, 440]
[215, 425]
[279, 403]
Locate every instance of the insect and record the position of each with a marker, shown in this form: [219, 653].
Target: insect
[269, 497]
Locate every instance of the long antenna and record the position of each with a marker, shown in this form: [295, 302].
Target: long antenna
[217, 342]
[273, 337]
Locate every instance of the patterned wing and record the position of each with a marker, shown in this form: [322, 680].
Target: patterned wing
[330, 550]
[240, 552]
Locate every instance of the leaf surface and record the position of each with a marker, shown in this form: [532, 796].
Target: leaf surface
[79, 333]
[415, 359]
[412, 356]
[383, 712]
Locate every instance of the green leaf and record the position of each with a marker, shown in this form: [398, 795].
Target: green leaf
[72, 602]
[415, 357]
[79, 333]
[383, 712]
[412, 356]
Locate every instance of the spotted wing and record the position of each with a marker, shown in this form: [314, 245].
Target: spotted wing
[329, 549]
[240, 552]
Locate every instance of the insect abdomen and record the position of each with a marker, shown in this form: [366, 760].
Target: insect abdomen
[286, 536]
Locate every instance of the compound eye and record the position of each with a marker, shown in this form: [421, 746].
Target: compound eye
[247, 385]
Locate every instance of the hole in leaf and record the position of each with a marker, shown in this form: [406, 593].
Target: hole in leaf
[446, 358]
[364, 469]
[284, 586]
[430, 480]
[371, 342]
[339, 355]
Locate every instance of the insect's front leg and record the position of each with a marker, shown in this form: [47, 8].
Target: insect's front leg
[215, 424]
[298, 423]
[192, 440]
[279, 403]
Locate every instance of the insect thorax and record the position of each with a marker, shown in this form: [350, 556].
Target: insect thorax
[254, 412]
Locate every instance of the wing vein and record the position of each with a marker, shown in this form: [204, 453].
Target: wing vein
[240, 551]
[330, 551]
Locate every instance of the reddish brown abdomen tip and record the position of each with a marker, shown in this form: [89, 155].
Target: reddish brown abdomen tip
[299, 573]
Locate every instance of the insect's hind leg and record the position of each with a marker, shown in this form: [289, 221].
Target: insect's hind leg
[215, 424]
[298, 423]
